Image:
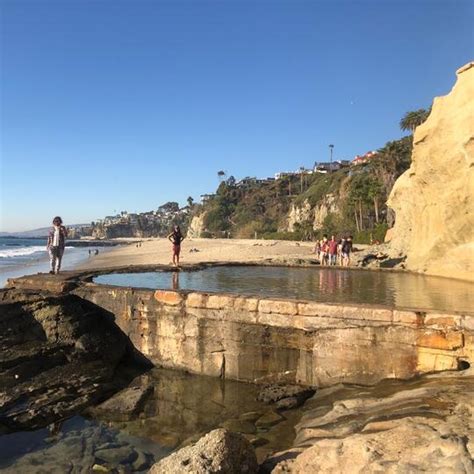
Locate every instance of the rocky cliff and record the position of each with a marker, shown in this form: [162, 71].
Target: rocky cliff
[299, 214]
[433, 199]
[196, 226]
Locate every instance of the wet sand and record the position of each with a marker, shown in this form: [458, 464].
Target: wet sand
[158, 251]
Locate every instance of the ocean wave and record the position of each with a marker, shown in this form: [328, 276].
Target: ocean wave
[21, 251]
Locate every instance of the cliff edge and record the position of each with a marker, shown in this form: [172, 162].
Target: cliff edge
[433, 199]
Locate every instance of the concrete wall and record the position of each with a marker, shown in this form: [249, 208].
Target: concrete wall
[261, 340]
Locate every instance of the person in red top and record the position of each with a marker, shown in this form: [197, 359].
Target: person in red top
[332, 250]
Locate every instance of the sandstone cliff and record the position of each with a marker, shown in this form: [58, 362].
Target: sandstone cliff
[433, 199]
[304, 212]
[196, 226]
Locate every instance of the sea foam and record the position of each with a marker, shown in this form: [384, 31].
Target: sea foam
[21, 251]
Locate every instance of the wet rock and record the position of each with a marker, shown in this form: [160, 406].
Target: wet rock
[100, 468]
[256, 442]
[122, 455]
[59, 355]
[288, 403]
[239, 426]
[219, 451]
[251, 416]
[142, 461]
[124, 405]
[269, 419]
[275, 392]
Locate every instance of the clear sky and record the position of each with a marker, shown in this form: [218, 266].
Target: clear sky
[123, 105]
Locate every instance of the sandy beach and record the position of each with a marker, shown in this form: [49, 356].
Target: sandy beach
[158, 251]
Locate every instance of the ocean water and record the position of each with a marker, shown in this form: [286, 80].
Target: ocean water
[27, 256]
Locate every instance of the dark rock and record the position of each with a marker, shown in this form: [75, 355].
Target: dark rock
[251, 416]
[275, 392]
[59, 355]
[269, 419]
[220, 451]
[239, 426]
[289, 403]
[124, 405]
[142, 462]
[122, 455]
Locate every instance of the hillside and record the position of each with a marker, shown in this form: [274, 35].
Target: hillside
[307, 204]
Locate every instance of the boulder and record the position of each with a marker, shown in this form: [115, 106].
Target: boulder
[219, 451]
[432, 200]
[275, 392]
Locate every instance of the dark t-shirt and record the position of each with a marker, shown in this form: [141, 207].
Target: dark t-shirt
[176, 237]
[347, 246]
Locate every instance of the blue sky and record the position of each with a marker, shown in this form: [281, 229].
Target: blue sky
[124, 105]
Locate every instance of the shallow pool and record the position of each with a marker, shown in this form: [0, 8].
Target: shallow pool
[329, 285]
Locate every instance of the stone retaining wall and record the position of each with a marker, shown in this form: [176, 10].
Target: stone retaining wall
[259, 340]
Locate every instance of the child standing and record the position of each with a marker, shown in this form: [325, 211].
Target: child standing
[56, 243]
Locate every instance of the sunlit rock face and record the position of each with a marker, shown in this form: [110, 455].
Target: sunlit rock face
[434, 199]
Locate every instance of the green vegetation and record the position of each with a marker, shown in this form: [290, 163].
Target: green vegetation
[412, 119]
[358, 193]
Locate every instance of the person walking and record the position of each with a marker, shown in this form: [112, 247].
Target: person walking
[175, 237]
[56, 244]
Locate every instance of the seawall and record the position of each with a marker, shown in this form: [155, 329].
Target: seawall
[261, 340]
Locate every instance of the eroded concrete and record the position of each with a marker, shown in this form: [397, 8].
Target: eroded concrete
[261, 340]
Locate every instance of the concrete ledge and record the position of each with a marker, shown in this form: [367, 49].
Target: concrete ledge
[269, 339]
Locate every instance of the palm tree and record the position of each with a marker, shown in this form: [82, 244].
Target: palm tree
[190, 201]
[221, 175]
[412, 119]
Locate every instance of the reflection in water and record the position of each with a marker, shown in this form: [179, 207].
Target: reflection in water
[332, 285]
[175, 281]
[180, 409]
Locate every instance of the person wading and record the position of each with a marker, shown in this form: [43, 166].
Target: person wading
[56, 244]
[176, 238]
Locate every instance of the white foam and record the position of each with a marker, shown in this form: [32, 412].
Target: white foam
[21, 251]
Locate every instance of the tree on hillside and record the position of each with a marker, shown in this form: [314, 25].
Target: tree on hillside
[190, 201]
[392, 160]
[230, 181]
[221, 174]
[374, 192]
[359, 197]
[412, 119]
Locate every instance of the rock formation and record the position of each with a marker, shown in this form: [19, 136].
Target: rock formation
[59, 354]
[304, 212]
[218, 451]
[196, 226]
[434, 199]
[425, 425]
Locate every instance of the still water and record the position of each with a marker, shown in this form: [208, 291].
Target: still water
[181, 408]
[328, 285]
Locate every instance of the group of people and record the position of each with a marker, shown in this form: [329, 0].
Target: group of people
[334, 251]
[329, 251]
